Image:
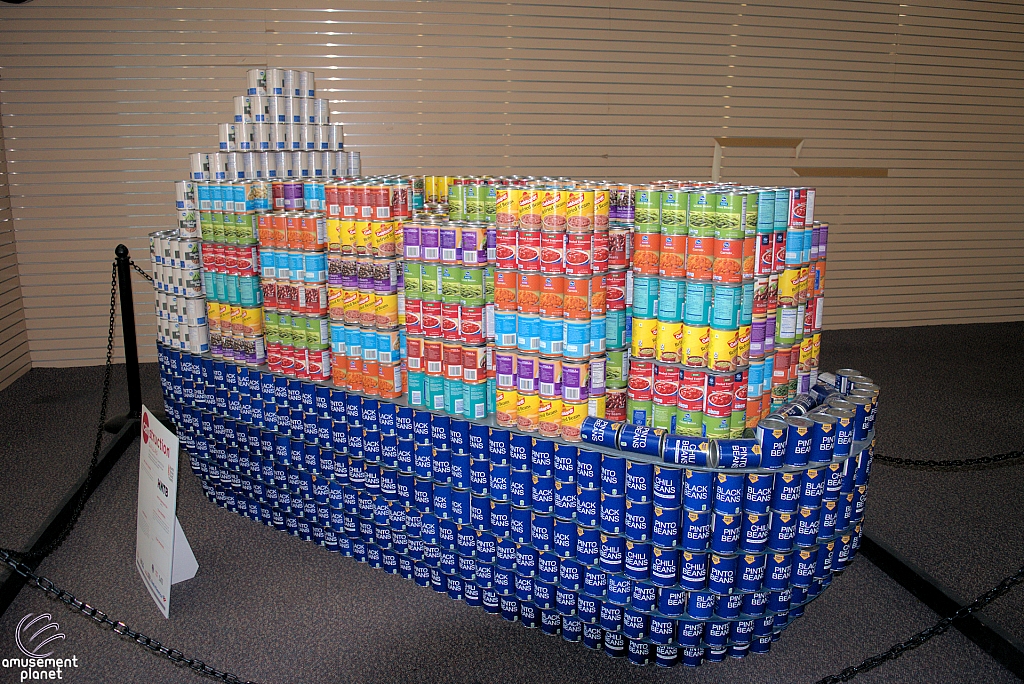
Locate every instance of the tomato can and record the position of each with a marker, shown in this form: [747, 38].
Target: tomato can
[641, 380]
[577, 298]
[527, 411]
[553, 208]
[552, 252]
[721, 391]
[646, 253]
[549, 417]
[696, 339]
[669, 342]
[666, 384]
[506, 247]
[672, 263]
[528, 292]
[645, 334]
[722, 350]
[573, 414]
[599, 260]
[471, 325]
[414, 316]
[474, 363]
[616, 286]
[619, 243]
[579, 250]
[528, 250]
[615, 404]
[450, 322]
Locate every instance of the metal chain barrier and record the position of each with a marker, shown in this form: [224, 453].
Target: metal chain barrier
[140, 271]
[924, 636]
[17, 560]
[962, 464]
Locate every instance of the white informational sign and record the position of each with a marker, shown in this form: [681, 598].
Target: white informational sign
[162, 553]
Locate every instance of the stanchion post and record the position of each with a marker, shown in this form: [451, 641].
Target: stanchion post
[131, 348]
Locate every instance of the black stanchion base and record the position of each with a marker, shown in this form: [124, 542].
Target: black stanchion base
[117, 423]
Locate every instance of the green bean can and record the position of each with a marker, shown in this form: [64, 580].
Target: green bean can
[430, 282]
[318, 334]
[717, 427]
[218, 227]
[617, 368]
[271, 326]
[730, 216]
[689, 423]
[284, 329]
[700, 215]
[663, 416]
[457, 200]
[489, 284]
[415, 393]
[647, 215]
[206, 226]
[674, 204]
[639, 412]
[475, 193]
[491, 203]
[737, 423]
[299, 332]
[750, 220]
[412, 273]
[451, 284]
[472, 287]
[246, 229]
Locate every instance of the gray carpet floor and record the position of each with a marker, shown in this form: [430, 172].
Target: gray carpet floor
[269, 607]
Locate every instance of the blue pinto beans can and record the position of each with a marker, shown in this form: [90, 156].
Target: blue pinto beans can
[823, 437]
[588, 468]
[613, 475]
[798, 441]
[641, 439]
[770, 434]
[600, 431]
[639, 481]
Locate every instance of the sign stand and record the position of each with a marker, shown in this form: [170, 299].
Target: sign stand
[163, 556]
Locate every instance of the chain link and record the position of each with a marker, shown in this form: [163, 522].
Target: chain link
[962, 464]
[140, 271]
[924, 636]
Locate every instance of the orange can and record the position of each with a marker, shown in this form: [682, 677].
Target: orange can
[552, 295]
[749, 256]
[451, 360]
[339, 370]
[728, 266]
[293, 230]
[355, 373]
[673, 256]
[700, 258]
[389, 381]
[279, 229]
[506, 404]
[264, 224]
[819, 277]
[577, 298]
[505, 290]
[529, 292]
[646, 253]
[599, 294]
[414, 353]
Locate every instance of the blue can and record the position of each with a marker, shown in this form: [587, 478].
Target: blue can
[787, 491]
[662, 631]
[525, 560]
[460, 470]
[403, 422]
[771, 436]
[697, 489]
[588, 545]
[479, 512]
[729, 493]
[564, 463]
[725, 532]
[696, 530]
[664, 566]
[823, 437]
[639, 481]
[421, 421]
[755, 604]
[423, 494]
[570, 575]
[460, 505]
[588, 506]
[684, 450]
[612, 553]
[368, 411]
[486, 547]
[641, 439]
[564, 500]
[500, 517]
[505, 554]
[544, 596]
[447, 531]
[637, 522]
[442, 500]
[499, 481]
[611, 618]
[755, 533]
[844, 432]
[503, 582]
[520, 527]
[423, 460]
[524, 588]
[405, 455]
[613, 511]
[543, 493]
[564, 538]
[479, 476]
[813, 488]
[750, 572]
[600, 431]
[498, 447]
[440, 427]
[782, 533]
[757, 494]
[565, 601]
[638, 560]
[778, 571]
[389, 450]
[542, 531]
[668, 486]
[700, 606]
[804, 563]
[519, 451]
[547, 567]
[353, 409]
[666, 526]
[458, 436]
[521, 488]
[386, 418]
[672, 602]
[798, 440]
[619, 590]
[355, 439]
[722, 573]
[588, 469]
[613, 475]
[588, 610]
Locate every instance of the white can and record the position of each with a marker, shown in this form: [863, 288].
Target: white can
[257, 81]
[188, 226]
[323, 111]
[227, 137]
[288, 106]
[260, 133]
[191, 254]
[321, 138]
[191, 282]
[336, 137]
[354, 164]
[243, 137]
[264, 165]
[298, 165]
[306, 109]
[292, 135]
[275, 80]
[290, 82]
[250, 165]
[278, 136]
[314, 162]
[200, 164]
[217, 165]
[166, 248]
[281, 164]
[184, 195]
[307, 139]
[258, 108]
[339, 162]
[307, 84]
[243, 110]
[195, 310]
[231, 165]
[275, 109]
[198, 339]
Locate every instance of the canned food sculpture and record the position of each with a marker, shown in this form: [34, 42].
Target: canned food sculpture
[661, 548]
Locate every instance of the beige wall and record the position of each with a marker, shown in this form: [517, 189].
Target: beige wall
[14, 355]
[914, 110]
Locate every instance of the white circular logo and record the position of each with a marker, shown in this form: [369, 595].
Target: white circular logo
[35, 632]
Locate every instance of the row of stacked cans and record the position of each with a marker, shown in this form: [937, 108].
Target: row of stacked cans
[177, 282]
[262, 166]
[638, 553]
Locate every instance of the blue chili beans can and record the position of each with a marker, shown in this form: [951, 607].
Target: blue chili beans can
[668, 486]
[755, 532]
[664, 566]
[638, 560]
[684, 450]
[693, 570]
[612, 553]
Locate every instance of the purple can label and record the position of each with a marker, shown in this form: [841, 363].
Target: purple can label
[334, 269]
[758, 331]
[349, 279]
[293, 197]
[430, 243]
[451, 247]
[549, 377]
[492, 238]
[769, 335]
[575, 386]
[472, 251]
[526, 373]
[505, 369]
[365, 282]
[412, 241]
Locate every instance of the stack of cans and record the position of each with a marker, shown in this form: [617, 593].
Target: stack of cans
[180, 305]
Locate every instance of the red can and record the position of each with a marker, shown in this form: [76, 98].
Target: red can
[641, 380]
[720, 396]
[287, 295]
[274, 357]
[433, 357]
[380, 200]
[349, 199]
[739, 382]
[528, 254]
[505, 248]
[313, 298]
[552, 252]
[248, 260]
[269, 288]
[779, 258]
[666, 385]
[400, 201]
[318, 365]
[471, 325]
[277, 193]
[287, 359]
[300, 369]
[414, 353]
[230, 260]
[450, 322]
[474, 363]
[764, 253]
[431, 319]
[579, 250]
[599, 259]
[332, 200]
[616, 297]
[619, 242]
[414, 316]
[692, 388]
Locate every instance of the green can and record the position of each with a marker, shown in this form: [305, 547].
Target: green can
[476, 196]
[318, 334]
[452, 396]
[737, 424]
[412, 274]
[218, 227]
[674, 204]
[430, 282]
[299, 332]
[271, 326]
[415, 392]
[663, 416]
[639, 412]
[451, 284]
[689, 423]
[206, 226]
[616, 372]
[472, 290]
[284, 329]
[491, 203]
[488, 284]
[615, 330]
[433, 392]
[457, 201]
[750, 222]
[716, 428]
[700, 216]
[647, 216]
[474, 401]
[247, 229]
[730, 216]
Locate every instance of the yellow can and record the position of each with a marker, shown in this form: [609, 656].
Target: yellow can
[528, 411]
[695, 345]
[816, 350]
[334, 235]
[213, 315]
[549, 417]
[669, 344]
[335, 303]
[401, 309]
[806, 352]
[722, 350]
[573, 413]
[806, 287]
[224, 316]
[350, 306]
[430, 189]
[789, 283]
[507, 206]
[743, 345]
[382, 238]
[596, 406]
[506, 401]
[367, 315]
[363, 237]
[247, 320]
[385, 311]
[645, 335]
[348, 237]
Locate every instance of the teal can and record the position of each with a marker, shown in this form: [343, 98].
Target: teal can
[210, 285]
[492, 396]
[670, 300]
[221, 283]
[615, 329]
[629, 325]
[528, 333]
[453, 396]
[433, 393]
[474, 401]
[338, 337]
[645, 296]
[416, 393]
[726, 301]
[697, 309]
[747, 303]
[552, 335]
[598, 333]
[249, 292]
[232, 296]
[577, 340]
[765, 211]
